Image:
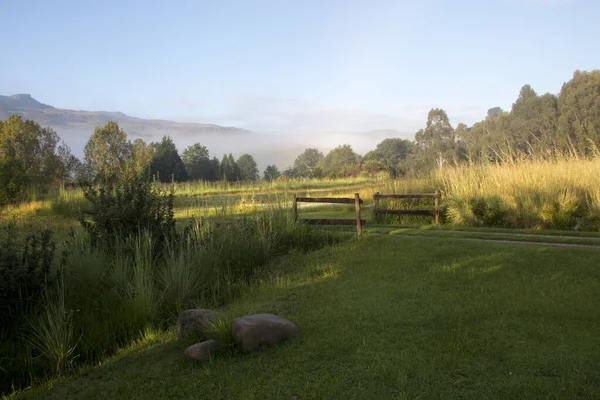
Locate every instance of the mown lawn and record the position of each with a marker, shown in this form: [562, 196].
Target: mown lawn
[394, 318]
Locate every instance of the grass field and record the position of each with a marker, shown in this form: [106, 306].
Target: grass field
[473, 308]
[392, 317]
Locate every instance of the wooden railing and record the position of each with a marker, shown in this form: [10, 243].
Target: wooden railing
[435, 212]
[332, 221]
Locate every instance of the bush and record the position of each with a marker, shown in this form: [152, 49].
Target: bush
[124, 208]
[13, 182]
[25, 277]
[25, 271]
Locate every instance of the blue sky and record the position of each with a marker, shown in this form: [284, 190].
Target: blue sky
[294, 66]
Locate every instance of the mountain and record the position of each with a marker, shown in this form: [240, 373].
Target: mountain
[62, 119]
[17, 102]
[75, 128]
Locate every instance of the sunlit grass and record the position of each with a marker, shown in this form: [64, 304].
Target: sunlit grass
[559, 193]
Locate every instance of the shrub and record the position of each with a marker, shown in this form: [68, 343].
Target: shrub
[13, 182]
[124, 208]
[25, 271]
[25, 277]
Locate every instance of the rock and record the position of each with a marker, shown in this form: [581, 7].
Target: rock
[202, 351]
[195, 321]
[252, 331]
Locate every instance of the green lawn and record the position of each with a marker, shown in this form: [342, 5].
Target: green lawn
[394, 317]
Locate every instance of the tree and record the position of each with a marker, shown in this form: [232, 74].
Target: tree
[235, 168]
[141, 157]
[341, 162]
[215, 168]
[494, 112]
[197, 162]
[35, 148]
[579, 109]
[248, 170]
[226, 169]
[70, 164]
[306, 162]
[229, 169]
[463, 137]
[436, 143]
[13, 181]
[390, 155]
[271, 173]
[106, 153]
[534, 121]
[166, 163]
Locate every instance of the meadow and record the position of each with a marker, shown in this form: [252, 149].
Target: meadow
[390, 316]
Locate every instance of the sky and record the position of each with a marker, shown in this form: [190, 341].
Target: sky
[288, 67]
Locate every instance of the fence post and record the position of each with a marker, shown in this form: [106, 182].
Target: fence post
[295, 208]
[437, 207]
[375, 205]
[358, 221]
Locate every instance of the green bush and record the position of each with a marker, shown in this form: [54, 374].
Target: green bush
[124, 208]
[25, 271]
[13, 182]
[25, 276]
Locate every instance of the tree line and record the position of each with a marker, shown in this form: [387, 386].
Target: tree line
[536, 124]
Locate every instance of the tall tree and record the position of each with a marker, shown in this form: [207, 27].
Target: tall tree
[341, 162]
[390, 155]
[107, 152]
[579, 108]
[227, 170]
[141, 157]
[494, 112]
[35, 148]
[271, 173]
[235, 169]
[248, 171]
[436, 143]
[215, 167]
[306, 162]
[534, 121]
[166, 163]
[197, 162]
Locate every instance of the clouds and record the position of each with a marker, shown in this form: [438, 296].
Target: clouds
[288, 117]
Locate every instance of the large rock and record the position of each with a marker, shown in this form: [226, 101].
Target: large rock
[202, 351]
[195, 321]
[252, 331]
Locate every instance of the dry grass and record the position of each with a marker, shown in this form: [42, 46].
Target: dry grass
[561, 193]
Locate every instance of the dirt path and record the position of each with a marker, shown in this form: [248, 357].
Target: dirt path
[499, 240]
[526, 234]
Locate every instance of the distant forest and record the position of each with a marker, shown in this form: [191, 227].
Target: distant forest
[541, 125]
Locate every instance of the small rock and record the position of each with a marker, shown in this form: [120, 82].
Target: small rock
[195, 321]
[252, 331]
[202, 351]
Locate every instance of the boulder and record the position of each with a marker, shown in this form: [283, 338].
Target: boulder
[252, 331]
[195, 321]
[202, 351]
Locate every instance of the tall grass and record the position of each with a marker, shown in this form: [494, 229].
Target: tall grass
[105, 300]
[560, 192]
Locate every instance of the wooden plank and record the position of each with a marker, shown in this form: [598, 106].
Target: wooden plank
[325, 200]
[358, 220]
[375, 204]
[330, 221]
[437, 207]
[295, 209]
[405, 212]
[406, 196]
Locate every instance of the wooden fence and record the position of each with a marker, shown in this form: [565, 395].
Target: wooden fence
[332, 221]
[435, 212]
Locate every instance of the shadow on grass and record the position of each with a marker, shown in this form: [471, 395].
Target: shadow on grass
[389, 318]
